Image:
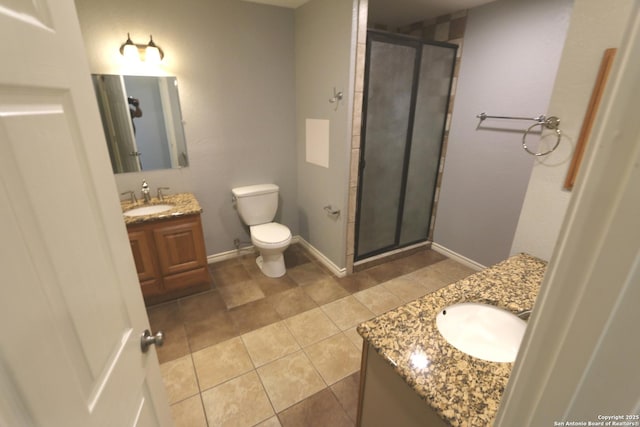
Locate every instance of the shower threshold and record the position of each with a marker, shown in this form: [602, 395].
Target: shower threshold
[390, 255]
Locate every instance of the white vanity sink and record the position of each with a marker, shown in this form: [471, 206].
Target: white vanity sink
[482, 330]
[148, 210]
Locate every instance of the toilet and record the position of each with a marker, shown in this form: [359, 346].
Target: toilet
[257, 206]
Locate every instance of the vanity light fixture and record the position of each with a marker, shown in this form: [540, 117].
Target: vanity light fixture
[152, 53]
[129, 50]
[149, 53]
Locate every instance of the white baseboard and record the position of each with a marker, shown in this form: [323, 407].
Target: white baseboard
[222, 256]
[339, 272]
[457, 257]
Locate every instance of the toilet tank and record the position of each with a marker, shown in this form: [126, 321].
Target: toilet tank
[256, 204]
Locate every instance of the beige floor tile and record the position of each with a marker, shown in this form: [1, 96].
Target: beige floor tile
[254, 315]
[320, 410]
[241, 293]
[357, 282]
[378, 299]
[269, 343]
[239, 402]
[385, 271]
[440, 274]
[228, 274]
[189, 413]
[221, 362]
[179, 379]
[347, 312]
[271, 422]
[452, 270]
[291, 302]
[347, 390]
[290, 379]
[311, 326]
[274, 285]
[167, 318]
[335, 358]
[429, 278]
[406, 288]
[325, 290]
[306, 274]
[354, 337]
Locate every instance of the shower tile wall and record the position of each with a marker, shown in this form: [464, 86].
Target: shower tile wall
[447, 28]
[361, 48]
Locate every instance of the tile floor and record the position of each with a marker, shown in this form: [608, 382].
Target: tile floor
[256, 351]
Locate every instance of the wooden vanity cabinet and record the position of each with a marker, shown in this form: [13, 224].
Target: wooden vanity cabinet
[143, 250]
[170, 258]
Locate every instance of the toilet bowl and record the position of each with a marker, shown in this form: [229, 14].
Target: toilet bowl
[271, 240]
[257, 206]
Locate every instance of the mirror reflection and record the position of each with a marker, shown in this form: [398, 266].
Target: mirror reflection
[142, 122]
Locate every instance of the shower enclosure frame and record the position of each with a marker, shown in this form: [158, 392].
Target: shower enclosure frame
[417, 43]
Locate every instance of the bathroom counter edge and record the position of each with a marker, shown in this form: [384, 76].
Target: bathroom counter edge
[183, 204]
[463, 390]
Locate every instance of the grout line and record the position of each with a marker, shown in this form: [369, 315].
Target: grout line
[204, 411]
[264, 389]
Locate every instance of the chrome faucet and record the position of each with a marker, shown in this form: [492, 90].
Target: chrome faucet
[134, 200]
[160, 193]
[145, 191]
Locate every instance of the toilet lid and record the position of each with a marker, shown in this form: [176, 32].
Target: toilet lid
[270, 233]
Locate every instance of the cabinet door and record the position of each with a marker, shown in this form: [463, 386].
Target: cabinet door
[180, 245]
[143, 251]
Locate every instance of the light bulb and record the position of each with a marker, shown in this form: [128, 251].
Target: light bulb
[152, 55]
[130, 52]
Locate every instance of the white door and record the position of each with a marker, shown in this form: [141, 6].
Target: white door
[71, 311]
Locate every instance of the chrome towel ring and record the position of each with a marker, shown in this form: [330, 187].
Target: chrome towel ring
[551, 122]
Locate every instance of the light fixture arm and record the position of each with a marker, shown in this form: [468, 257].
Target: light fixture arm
[128, 42]
[151, 44]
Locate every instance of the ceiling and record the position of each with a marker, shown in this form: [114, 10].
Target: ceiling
[394, 13]
[282, 3]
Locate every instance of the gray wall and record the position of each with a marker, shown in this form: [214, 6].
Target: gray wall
[509, 61]
[323, 30]
[234, 62]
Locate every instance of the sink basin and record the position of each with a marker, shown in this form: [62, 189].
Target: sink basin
[482, 331]
[148, 210]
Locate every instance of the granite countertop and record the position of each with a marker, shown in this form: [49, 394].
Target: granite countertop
[463, 390]
[183, 204]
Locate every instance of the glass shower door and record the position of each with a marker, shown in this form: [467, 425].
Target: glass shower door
[388, 109]
[406, 100]
[430, 116]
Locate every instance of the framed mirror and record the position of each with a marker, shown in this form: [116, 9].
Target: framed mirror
[142, 122]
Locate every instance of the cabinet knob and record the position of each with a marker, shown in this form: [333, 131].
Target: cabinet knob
[146, 339]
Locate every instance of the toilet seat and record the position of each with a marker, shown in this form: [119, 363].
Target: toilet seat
[270, 234]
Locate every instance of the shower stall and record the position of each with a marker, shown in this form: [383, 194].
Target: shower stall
[406, 99]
